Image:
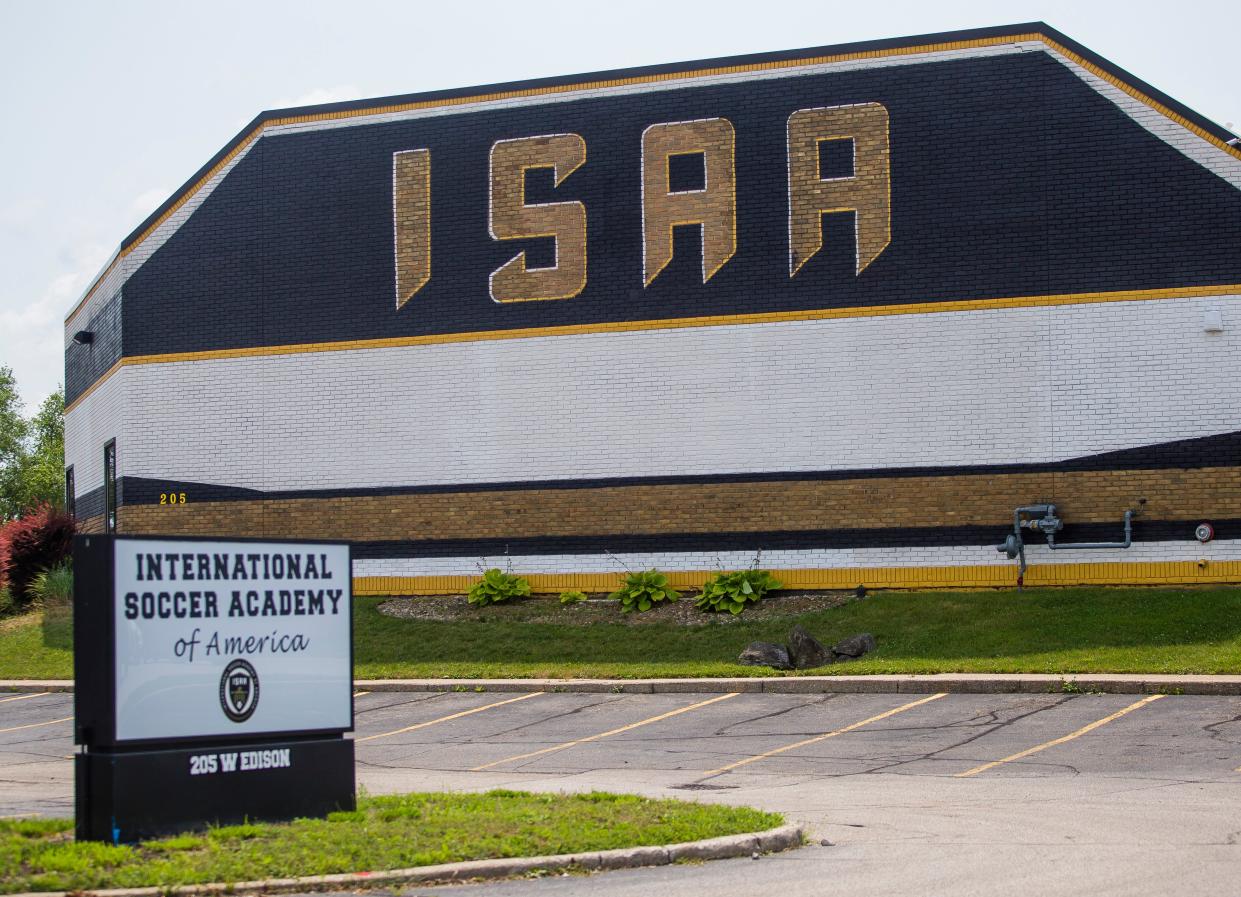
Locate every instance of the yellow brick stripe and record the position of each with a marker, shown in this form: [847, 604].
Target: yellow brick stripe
[961, 577]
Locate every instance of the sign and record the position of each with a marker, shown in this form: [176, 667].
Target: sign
[223, 669]
[231, 638]
[133, 795]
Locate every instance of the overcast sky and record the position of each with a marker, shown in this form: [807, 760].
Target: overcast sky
[109, 107]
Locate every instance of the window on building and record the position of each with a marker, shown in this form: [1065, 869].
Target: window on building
[70, 493]
[109, 487]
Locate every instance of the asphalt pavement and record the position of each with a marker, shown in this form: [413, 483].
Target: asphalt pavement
[914, 793]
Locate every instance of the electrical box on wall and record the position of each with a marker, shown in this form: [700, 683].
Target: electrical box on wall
[1213, 320]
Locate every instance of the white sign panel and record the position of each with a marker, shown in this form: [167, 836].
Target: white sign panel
[231, 638]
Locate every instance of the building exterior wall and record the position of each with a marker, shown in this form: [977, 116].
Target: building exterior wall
[1040, 327]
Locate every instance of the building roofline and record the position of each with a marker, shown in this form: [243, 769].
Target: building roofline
[690, 68]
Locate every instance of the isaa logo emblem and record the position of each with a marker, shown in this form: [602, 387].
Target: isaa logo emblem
[239, 691]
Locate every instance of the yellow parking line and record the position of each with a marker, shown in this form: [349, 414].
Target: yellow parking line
[37, 694]
[824, 736]
[610, 732]
[50, 722]
[1062, 739]
[451, 716]
[358, 694]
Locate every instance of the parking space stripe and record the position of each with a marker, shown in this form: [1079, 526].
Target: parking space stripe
[50, 722]
[1062, 739]
[358, 694]
[451, 716]
[610, 732]
[37, 694]
[826, 735]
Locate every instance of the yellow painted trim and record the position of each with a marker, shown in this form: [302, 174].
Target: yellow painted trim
[37, 694]
[608, 734]
[1142, 98]
[960, 577]
[98, 383]
[805, 742]
[451, 716]
[646, 79]
[1084, 730]
[773, 317]
[50, 722]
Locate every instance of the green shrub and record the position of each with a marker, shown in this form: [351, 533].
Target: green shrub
[6, 601]
[55, 585]
[572, 596]
[642, 591]
[496, 586]
[733, 592]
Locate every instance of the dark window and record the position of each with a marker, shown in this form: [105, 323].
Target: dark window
[70, 492]
[835, 158]
[687, 171]
[109, 487]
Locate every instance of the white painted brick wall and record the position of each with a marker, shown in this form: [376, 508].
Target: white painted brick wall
[816, 559]
[963, 388]
[1002, 386]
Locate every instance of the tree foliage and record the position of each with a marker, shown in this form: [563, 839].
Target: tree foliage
[32, 451]
[37, 541]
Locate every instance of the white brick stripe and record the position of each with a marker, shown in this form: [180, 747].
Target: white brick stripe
[1002, 386]
[807, 559]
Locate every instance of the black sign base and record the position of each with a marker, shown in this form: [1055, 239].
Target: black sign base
[128, 796]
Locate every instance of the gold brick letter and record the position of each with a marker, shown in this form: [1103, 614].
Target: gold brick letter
[512, 219]
[714, 207]
[411, 221]
[867, 193]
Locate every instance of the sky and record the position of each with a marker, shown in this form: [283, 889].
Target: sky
[109, 108]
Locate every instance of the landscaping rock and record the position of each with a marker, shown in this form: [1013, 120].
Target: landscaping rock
[764, 654]
[805, 651]
[854, 646]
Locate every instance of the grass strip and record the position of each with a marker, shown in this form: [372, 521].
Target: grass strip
[392, 832]
[1059, 631]
[1072, 630]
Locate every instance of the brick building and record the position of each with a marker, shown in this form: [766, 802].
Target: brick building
[850, 306]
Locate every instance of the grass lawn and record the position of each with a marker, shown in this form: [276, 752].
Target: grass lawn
[383, 833]
[1078, 630]
[29, 649]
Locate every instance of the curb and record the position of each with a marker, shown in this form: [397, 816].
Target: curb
[726, 847]
[957, 683]
[954, 683]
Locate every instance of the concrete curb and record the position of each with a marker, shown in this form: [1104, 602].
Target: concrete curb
[770, 841]
[29, 685]
[960, 683]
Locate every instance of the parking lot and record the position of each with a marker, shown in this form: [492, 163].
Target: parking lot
[1061, 793]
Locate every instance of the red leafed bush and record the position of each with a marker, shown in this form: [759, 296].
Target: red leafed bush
[32, 543]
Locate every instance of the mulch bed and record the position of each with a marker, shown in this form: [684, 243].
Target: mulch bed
[600, 609]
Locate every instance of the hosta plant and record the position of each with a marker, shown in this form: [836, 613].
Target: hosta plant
[496, 586]
[734, 592]
[572, 596]
[642, 591]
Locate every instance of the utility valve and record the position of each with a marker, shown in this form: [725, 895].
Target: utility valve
[1048, 524]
